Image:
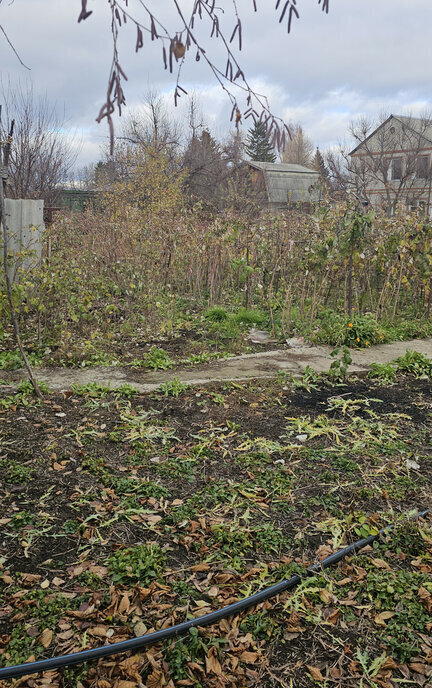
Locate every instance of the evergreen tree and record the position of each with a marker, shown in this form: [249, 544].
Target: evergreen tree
[258, 147]
[320, 166]
[206, 168]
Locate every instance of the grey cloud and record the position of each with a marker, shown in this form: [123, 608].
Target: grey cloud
[361, 57]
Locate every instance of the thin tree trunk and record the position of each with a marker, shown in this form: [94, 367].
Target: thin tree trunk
[349, 284]
[7, 277]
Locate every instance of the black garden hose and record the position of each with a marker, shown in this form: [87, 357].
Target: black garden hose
[206, 620]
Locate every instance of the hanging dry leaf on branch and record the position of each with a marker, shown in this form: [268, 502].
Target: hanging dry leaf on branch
[231, 79]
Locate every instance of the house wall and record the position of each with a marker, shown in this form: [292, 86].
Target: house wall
[372, 166]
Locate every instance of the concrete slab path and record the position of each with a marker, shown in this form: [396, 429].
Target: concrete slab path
[258, 365]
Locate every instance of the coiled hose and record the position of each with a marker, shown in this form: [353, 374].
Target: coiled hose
[206, 620]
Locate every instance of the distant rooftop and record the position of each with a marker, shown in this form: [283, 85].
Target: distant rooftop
[419, 125]
[281, 167]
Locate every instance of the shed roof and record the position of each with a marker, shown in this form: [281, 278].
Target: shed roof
[281, 167]
[287, 182]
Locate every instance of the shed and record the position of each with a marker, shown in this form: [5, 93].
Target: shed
[76, 199]
[286, 183]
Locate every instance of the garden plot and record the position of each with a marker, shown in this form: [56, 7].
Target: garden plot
[125, 513]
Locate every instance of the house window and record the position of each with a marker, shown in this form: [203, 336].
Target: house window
[422, 167]
[396, 168]
[423, 207]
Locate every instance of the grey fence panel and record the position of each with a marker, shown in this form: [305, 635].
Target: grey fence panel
[24, 220]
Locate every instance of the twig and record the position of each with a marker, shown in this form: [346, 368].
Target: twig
[13, 48]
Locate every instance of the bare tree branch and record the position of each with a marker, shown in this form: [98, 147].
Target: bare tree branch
[42, 156]
[175, 47]
[13, 48]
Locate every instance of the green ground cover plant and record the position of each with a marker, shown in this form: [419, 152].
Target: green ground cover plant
[123, 513]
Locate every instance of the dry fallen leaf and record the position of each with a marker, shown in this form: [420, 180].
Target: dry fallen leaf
[382, 617]
[426, 598]
[326, 596]
[45, 638]
[380, 564]
[249, 657]
[155, 680]
[200, 567]
[30, 578]
[332, 617]
[82, 614]
[98, 631]
[294, 625]
[212, 663]
[66, 635]
[422, 669]
[324, 551]
[130, 666]
[315, 673]
[124, 604]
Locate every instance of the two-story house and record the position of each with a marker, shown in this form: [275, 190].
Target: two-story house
[391, 165]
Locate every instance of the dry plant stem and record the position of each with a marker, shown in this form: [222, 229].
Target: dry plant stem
[381, 299]
[9, 294]
[397, 294]
[286, 312]
[429, 299]
[270, 297]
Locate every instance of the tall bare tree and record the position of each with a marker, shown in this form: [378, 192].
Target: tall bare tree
[299, 149]
[152, 125]
[338, 169]
[42, 156]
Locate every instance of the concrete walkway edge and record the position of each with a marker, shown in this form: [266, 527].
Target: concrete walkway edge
[239, 368]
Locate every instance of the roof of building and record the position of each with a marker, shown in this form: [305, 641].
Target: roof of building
[287, 182]
[420, 125]
[281, 167]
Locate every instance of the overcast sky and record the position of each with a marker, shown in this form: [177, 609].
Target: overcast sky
[363, 57]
